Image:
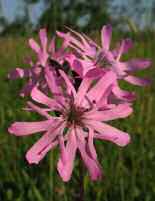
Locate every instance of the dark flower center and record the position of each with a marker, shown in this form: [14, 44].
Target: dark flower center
[74, 115]
[102, 60]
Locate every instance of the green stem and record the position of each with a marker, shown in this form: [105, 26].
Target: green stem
[81, 182]
[51, 175]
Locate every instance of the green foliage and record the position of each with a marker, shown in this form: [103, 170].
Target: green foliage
[128, 173]
[75, 13]
[57, 13]
[31, 1]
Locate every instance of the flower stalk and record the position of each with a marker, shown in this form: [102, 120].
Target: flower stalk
[81, 182]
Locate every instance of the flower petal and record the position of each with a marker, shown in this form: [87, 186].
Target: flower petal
[28, 128]
[40, 97]
[43, 38]
[40, 149]
[119, 111]
[92, 165]
[44, 144]
[51, 81]
[121, 50]
[137, 81]
[97, 91]
[78, 43]
[122, 94]
[65, 170]
[95, 73]
[83, 88]
[128, 44]
[18, 73]
[72, 42]
[63, 154]
[52, 47]
[91, 146]
[34, 45]
[69, 85]
[85, 65]
[39, 110]
[109, 133]
[106, 36]
[136, 64]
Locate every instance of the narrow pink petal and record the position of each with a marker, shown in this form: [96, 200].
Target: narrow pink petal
[79, 50]
[109, 133]
[33, 157]
[106, 33]
[42, 57]
[61, 34]
[44, 144]
[128, 44]
[81, 37]
[65, 36]
[40, 97]
[102, 85]
[122, 94]
[18, 73]
[119, 111]
[85, 66]
[95, 73]
[84, 86]
[65, 170]
[104, 101]
[72, 42]
[70, 87]
[66, 42]
[82, 49]
[52, 46]
[34, 45]
[39, 110]
[28, 128]
[43, 38]
[91, 144]
[120, 50]
[91, 164]
[137, 64]
[63, 154]
[91, 42]
[137, 81]
[69, 41]
[38, 151]
[51, 81]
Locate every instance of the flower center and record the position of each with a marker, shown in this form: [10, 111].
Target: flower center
[74, 115]
[102, 60]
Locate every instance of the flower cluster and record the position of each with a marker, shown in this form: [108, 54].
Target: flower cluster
[75, 88]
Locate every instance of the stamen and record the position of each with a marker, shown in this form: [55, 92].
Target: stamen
[74, 115]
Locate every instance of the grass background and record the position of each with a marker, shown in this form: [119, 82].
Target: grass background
[128, 173]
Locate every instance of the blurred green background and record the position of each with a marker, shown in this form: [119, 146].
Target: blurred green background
[129, 172]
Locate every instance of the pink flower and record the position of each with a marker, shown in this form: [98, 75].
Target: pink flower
[46, 51]
[81, 117]
[91, 56]
[48, 56]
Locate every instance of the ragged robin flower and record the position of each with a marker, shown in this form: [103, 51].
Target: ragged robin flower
[48, 56]
[92, 56]
[73, 120]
